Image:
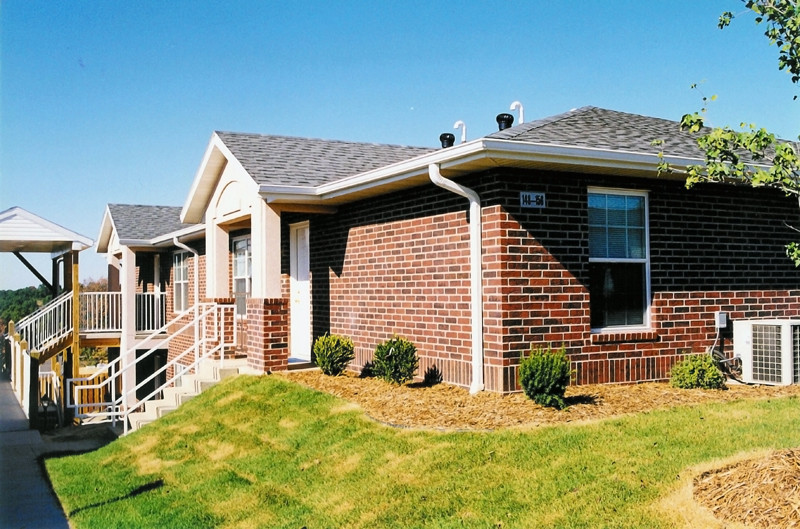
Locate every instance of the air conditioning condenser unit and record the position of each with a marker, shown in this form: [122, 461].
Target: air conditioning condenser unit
[769, 350]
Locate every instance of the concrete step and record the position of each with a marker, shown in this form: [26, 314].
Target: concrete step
[185, 389]
[164, 410]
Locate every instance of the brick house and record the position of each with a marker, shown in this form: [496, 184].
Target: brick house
[556, 231]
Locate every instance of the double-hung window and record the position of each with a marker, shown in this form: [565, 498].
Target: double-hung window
[619, 258]
[180, 270]
[242, 273]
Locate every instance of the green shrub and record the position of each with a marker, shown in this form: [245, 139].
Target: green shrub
[395, 360]
[698, 371]
[333, 353]
[432, 376]
[544, 376]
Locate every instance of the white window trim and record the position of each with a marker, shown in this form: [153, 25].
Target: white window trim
[648, 302]
[234, 277]
[183, 255]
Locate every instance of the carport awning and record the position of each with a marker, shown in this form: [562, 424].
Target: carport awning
[22, 231]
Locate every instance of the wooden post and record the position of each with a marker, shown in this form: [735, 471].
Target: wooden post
[68, 393]
[33, 393]
[8, 350]
[19, 385]
[76, 317]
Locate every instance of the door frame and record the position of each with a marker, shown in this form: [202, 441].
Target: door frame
[300, 327]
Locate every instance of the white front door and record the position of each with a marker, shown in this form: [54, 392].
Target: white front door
[300, 316]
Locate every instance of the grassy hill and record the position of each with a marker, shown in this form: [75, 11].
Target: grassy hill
[265, 452]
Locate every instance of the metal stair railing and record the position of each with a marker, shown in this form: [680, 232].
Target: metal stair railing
[202, 353]
[115, 408]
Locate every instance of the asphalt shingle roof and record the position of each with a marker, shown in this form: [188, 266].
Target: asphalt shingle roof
[599, 128]
[134, 222]
[283, 160]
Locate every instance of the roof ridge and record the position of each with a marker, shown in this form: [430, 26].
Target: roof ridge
[325, 140]
[539, 123]
[559, 117]
[143, 205]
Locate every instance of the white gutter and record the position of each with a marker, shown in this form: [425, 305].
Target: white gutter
[473, 156]
[476, 287]
[182, 246]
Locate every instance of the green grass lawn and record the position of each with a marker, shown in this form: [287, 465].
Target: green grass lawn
[265, 452]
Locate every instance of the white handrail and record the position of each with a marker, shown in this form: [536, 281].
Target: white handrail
[113, 368]
[47, 325]
[207, 315]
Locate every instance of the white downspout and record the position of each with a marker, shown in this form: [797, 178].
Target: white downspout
[182, 246]
[476, 286]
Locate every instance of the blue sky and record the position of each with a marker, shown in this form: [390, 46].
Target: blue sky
[115, 101]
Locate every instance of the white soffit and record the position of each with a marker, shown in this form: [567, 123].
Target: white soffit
[23, 231]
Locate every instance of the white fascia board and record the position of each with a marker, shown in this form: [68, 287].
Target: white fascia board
[384, 175]
[289, 194]
[106, 230]
[205, 180]
[180, 234]
[135, 242]
[580, 156]
[493, 151]
[400, 170]
[163, 240]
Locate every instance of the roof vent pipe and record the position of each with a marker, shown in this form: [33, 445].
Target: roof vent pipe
[504, 121]
[447, 139]
[463, 126]
[517, 105]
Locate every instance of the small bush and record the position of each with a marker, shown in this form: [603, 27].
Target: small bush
[432, 376]
[333, 353]
[395, 360]
[544, 376]
[368, 371]
[698, 371]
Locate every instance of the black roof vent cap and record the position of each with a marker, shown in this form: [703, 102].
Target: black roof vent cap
[447, 139]
[504, 121]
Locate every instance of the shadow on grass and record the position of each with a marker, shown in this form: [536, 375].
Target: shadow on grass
[147, 487]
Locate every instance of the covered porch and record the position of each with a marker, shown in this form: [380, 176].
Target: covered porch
[31, 345]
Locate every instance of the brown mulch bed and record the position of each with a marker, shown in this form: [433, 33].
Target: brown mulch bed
[762, 492]
[449, 407]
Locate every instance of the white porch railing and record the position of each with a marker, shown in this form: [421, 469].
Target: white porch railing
[209, 326]
[102, 311]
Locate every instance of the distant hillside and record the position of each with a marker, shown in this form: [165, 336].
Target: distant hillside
[16, 304]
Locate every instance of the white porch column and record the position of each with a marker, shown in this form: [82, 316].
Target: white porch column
[128, 338]
[266, 246]
[216, 261]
